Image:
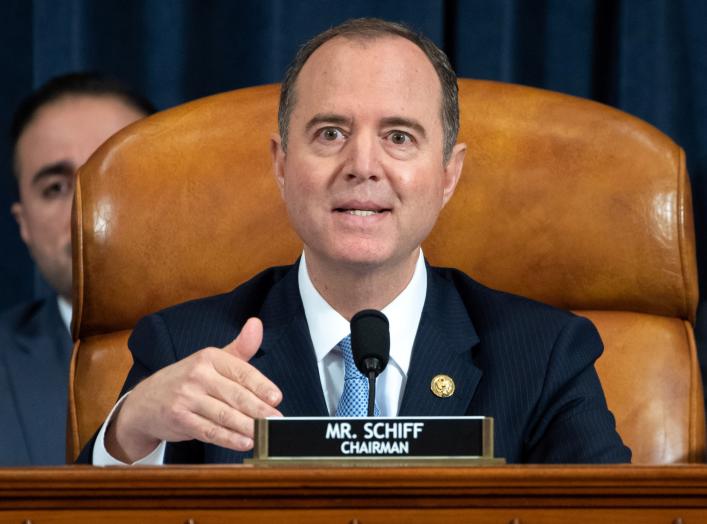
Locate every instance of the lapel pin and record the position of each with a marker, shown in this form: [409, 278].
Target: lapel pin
[442, 386]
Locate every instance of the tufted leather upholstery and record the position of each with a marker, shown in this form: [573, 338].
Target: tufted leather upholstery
[563, 200]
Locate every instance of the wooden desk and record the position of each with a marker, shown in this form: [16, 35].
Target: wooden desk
[216, 494]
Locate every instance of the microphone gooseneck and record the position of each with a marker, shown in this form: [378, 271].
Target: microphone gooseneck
[370, 345]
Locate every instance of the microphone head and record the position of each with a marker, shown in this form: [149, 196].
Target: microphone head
[370, 341]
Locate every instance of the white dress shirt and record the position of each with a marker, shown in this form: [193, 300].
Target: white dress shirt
[326, 329]
[64, 311]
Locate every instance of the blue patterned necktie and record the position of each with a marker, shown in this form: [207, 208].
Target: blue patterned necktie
[354, 399]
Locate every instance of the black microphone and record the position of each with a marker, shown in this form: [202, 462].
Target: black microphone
[370, 345]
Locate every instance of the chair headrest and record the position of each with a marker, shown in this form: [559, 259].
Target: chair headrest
[561, 199]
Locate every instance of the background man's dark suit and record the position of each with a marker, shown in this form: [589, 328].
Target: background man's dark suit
[35, 349]
[528, 365]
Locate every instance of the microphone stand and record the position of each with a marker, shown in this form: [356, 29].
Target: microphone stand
[370, 346]
[371, 392]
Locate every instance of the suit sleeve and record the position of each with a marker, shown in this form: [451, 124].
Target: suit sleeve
[573, 423]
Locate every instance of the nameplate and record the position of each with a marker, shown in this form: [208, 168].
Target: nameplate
[373, 438]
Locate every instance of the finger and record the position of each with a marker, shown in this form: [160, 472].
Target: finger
[225, 416]
[246, 344]
[240, 398]
[205, 430]
[243, 386]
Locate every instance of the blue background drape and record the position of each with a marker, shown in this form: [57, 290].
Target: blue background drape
[647, 57]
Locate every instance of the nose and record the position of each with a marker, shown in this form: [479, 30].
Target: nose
[363, 161]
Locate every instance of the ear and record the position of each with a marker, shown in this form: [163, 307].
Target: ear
[452, 171]
[18, 211]
[278, 162]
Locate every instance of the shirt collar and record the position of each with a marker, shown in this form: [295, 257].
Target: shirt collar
[327, 327]
[64, 311]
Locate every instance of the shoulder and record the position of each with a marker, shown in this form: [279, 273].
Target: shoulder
[513, 321]
[23, 316]
[240, 303]
[209, 321]
[19, 324]
[482, 299]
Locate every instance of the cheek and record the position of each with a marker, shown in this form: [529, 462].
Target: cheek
[295, 193]
[423, 184]
[50, 220]
[304, 181]
[298, 201]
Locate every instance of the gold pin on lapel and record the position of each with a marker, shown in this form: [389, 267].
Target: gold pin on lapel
[442, 386]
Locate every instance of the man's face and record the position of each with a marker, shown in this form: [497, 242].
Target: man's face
[58, 140]
[364, 178]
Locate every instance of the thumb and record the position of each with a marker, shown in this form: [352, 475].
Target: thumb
[246, 344]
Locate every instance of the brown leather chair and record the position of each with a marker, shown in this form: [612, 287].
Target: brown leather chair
[563, 200]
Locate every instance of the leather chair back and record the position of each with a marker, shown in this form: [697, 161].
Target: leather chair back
[562, 200]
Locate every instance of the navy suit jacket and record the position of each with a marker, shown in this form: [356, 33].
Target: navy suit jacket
[35, 350]
[528, 365]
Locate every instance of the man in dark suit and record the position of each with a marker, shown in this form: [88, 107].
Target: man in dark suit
[54, 131]
[365, 159]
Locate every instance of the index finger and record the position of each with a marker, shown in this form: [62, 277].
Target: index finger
[248, 377]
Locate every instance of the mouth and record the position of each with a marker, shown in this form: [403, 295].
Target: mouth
[360, 212]
[359, 208]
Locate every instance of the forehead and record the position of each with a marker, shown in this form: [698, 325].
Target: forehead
[387, 74]
[70, 129]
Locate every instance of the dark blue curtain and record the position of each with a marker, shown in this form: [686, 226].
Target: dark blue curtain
[647, 57]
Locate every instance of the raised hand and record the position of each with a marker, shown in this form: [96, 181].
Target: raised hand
[213, 395]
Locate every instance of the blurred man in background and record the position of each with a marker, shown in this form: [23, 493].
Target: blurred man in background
[54, 131]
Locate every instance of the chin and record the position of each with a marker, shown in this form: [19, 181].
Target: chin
[369, 259]
[58, 277]
[347, 256]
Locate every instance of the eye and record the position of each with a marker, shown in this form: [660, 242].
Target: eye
[331, 134]
[56, 189]
[399, 138]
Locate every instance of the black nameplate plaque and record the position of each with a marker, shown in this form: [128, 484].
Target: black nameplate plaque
[373, 438]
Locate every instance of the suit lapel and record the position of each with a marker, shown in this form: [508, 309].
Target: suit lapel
[39, 368]
[443, 346]
[287, 358]
[286, 354]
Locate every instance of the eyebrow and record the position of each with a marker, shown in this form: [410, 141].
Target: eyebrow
[63, 167]
[327, 118]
